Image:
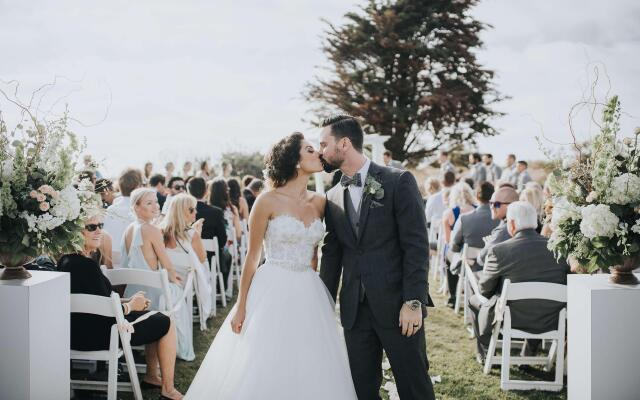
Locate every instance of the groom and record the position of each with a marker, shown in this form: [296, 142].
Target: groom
[377, 238]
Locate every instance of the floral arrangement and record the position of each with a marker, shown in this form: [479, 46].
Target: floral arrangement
[42, 210]
[595, 218]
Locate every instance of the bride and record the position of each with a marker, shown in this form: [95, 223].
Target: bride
[281, 339]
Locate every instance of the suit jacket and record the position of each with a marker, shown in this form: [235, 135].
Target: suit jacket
[472, 227]
[478, 173]
[523, 258]
[161, 199]
[248, 195]
[498, 235]
[213, 222]
[389, 256]
[523, 179]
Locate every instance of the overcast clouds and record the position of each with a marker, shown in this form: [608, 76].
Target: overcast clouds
[186, 79]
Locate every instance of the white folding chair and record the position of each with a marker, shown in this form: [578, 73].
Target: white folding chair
[522, 291]
[116, 259]
[433, 238]
[440, 262]
[469, 255]
[234, 274]
[212, 245]
[244, 242]
[106, 307]
[184, 267]
[153, 279]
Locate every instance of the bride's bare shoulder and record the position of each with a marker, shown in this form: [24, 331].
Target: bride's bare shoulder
[319, 201]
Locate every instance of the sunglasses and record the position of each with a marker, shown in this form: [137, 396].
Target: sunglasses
[178, 187]
[497, 204]
[94, 227]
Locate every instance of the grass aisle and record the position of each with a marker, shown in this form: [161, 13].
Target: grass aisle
[451, 356]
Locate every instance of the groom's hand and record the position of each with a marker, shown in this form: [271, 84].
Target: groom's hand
[410, 320]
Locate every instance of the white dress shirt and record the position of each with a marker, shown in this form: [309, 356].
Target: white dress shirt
[118, 218]
[356, 191]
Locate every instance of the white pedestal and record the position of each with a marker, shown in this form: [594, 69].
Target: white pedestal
[603, 357]
[34, 337]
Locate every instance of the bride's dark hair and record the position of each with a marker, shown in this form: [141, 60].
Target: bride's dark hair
[282, 159]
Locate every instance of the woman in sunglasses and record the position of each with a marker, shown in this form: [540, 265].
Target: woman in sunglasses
[92, 332]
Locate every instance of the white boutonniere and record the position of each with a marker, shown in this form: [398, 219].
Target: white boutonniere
[374, 188]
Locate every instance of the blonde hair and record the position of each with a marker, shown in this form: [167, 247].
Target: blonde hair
[174, 225]
[533, 195]
[461, 195]
[432, 185]
[137, 196]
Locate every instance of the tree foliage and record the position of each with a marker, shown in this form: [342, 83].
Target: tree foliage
[407, 68]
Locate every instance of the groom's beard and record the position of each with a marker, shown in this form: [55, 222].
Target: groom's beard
[327, 166]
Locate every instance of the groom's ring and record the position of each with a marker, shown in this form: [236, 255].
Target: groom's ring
[415, 326]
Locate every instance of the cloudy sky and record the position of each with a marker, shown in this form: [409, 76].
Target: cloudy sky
[160, 80]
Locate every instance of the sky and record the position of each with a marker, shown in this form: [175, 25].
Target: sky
[168, 81]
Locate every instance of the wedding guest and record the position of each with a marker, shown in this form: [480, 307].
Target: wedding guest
[499, 202]
[156, 182]
[445, 164]
[461, 201]
[186, 170]
[182, 233]
[92, 332]
[237, 199]
[169, 170]
[148, 171]
[435, 204]
[432, 186]
[104, 187]
[214, 222]
[470, 229]
[204, 172]
[387, 158]
[119, 214]
[89, 175]
[523, 258]
[478, 170]
[494, 172]
[510, 172]
[533, 195]
[226, 169]
[523, 175]
[253, 191]
[143, 248]
[246, 180]
[92, 166]
[176, 186]
[219, 197]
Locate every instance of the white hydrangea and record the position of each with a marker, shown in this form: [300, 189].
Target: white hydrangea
[636, 228]
[564, 210]
[67, 206]
[6, 169]
[625, 189]
[42, 223]
[598, 220]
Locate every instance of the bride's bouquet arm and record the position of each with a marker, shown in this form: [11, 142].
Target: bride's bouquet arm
[258, 220]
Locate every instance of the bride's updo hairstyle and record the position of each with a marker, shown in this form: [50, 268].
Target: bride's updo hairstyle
[282, 159]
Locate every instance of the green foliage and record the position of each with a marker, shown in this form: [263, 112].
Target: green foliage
[245, 163]
[408, 69]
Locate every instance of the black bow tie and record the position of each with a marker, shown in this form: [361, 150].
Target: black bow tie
[355, 181]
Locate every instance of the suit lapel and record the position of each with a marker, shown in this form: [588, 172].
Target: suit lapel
[342, 220]
[365, 204]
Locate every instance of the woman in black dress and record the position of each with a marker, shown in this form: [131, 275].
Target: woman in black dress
[91, 332]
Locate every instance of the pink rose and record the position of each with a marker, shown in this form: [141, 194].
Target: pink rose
[44, 206]
[46, 189]
[40, 197]
[33, 194]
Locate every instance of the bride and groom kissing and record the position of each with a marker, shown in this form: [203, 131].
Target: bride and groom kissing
[281, 341]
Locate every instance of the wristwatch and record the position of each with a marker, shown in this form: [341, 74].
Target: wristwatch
[414, 304]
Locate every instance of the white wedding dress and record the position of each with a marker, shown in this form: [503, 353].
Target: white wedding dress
[290, 346]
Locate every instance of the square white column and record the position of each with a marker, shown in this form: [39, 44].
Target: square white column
[35, 337]
[603, 356]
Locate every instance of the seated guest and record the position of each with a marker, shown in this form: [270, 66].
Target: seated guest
[156, 182]
[92, 332]
[470, 229]
[143, 248]
[181, 233]
[500, 199]
[104, 187]
[523, 258]
[252, 191]
[119, 214]
[435, 204]
[246, 180]
[432, 186]
[219, 197]
[533, 195]
[235, 195]
[461, 201]
[176, 186]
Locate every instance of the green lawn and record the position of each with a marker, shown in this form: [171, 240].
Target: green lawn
[451, 356]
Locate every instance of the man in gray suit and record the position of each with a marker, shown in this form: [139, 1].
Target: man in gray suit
[523, 175]
[470, 229]
[499, 202]
[523, 258]
[478, 170]
[494, 172]
[445, 164]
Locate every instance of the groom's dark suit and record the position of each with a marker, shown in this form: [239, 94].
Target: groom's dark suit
[382, 253]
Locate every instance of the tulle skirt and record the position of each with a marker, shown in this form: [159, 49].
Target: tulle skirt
[290, 347]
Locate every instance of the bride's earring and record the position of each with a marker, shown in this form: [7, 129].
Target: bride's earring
[298, 166]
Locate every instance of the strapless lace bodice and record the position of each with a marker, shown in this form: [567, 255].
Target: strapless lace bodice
[289, 243]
